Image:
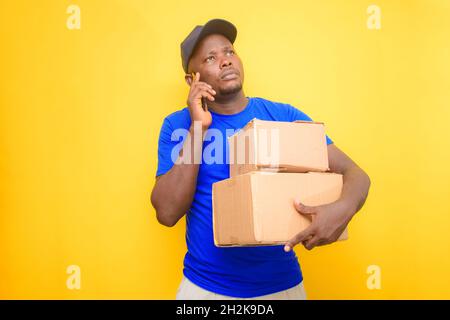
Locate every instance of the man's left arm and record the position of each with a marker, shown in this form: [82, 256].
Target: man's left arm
[330, 220]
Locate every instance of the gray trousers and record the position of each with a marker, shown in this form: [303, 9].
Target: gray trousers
[190, 291]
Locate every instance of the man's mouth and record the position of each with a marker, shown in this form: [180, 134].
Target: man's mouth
[229, 75]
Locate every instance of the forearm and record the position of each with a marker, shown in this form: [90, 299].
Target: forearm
[174, 191]
[355, 190]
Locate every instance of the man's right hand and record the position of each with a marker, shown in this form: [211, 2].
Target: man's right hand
[198, 91]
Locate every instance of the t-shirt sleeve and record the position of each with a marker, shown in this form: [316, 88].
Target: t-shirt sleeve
[296, 114]
[168, 147]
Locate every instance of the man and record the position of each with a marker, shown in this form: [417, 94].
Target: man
[217, 101]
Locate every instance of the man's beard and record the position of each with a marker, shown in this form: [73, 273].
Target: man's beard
[231, 89]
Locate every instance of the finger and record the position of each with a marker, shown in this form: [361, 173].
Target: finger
[201, 84]
[205, 86]
[300, 237]
[305, 241]
[197, 91]
[206, 89]
[311, 243]
[197, 96]
[307, 210]
[197, 76]
[207, 95]
[192, 79]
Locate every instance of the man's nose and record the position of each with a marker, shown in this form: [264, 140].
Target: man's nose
[225, 63]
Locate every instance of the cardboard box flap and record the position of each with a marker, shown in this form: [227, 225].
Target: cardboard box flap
[249, 125]
[307, 121]
[252, 124]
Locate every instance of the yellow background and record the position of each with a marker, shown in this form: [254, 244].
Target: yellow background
[81, 111]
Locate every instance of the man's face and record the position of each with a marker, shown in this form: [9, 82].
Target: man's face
[218, 64]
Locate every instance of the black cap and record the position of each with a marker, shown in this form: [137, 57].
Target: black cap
[219, 26]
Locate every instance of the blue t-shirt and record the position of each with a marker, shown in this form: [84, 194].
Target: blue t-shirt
[234, 271]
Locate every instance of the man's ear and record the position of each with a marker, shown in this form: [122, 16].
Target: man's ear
[188, 77]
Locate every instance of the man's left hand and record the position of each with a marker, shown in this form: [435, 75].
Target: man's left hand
[328, 223]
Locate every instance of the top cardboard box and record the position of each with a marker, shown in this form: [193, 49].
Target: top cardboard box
[277, 146]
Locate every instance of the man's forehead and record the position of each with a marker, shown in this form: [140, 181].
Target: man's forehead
[212, 43]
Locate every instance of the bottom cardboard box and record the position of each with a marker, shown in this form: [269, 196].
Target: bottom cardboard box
[257, 208]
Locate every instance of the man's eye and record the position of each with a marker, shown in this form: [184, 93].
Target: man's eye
[230, 52]
[209, 59]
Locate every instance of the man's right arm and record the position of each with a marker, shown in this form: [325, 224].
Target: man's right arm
[174, 191]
